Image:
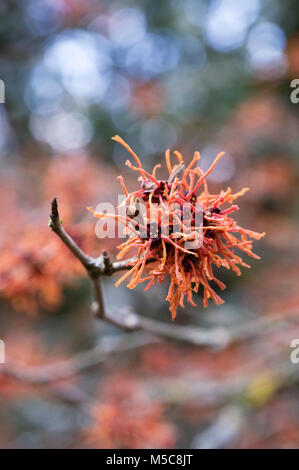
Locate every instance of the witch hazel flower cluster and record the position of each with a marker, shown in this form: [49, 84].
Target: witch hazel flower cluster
[180, 230]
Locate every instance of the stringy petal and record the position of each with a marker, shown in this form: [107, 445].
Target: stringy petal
[187, 268]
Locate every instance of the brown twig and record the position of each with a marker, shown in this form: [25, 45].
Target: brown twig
[56, 225]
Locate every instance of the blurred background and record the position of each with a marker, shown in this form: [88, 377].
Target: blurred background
[204, 75]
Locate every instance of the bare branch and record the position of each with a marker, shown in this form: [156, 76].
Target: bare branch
[78, 363]
[98, 291]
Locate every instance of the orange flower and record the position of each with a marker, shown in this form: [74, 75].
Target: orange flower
[164, 216]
